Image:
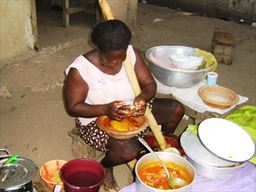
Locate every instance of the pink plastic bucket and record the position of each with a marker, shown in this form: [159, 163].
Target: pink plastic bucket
[82, 175]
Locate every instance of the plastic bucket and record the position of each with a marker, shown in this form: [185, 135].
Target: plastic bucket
[82, 175]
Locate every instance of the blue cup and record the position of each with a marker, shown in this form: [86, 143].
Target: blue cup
[212, 78]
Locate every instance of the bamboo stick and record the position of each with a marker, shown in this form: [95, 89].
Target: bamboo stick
[151, 119]
[135, 85]
[106, 11]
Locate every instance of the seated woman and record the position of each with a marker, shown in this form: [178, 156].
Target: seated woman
[96, 84]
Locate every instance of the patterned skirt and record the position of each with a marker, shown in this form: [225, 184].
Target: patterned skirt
[95, 137]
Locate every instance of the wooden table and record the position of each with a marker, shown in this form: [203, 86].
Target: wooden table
[199, 117]
[196, 115]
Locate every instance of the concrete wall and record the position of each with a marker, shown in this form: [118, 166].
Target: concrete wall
[228, 9]
[15, 28]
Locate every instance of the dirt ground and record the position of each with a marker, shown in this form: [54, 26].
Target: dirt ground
[33, 121]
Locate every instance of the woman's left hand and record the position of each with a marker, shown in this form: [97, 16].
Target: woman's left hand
[140, 106]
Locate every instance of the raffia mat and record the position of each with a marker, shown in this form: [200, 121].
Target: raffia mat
[190, 97]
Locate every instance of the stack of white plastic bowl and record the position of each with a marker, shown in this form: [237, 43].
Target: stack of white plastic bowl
[219, 150]
[184, 61]
[205, 163]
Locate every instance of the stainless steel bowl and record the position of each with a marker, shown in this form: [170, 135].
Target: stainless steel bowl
[160, 66]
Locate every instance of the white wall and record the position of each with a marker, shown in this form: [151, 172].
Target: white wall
[15, 28]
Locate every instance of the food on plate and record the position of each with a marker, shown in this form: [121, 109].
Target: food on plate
[127, 124]
[120, 126]
[154, 175]
[129, 127]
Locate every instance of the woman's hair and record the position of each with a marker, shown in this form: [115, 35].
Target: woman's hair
[111, 35]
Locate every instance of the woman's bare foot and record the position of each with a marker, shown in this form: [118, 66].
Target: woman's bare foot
[109, 183]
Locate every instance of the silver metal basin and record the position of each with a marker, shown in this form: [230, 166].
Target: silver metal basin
[159, 65]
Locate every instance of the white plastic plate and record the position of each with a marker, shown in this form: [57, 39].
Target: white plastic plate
[226, 139]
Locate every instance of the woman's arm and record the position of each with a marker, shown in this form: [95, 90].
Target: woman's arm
[145, 79]
[75, 92]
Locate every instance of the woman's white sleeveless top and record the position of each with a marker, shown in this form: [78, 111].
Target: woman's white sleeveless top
[104, 88]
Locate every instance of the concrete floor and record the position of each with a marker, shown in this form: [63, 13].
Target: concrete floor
[51, 32]
[33, 122]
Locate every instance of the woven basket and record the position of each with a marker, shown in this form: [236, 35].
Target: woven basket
[218, 97]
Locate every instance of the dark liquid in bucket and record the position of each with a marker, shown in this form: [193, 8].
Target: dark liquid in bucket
[83, 179]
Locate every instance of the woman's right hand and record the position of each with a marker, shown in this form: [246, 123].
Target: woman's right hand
[113, 110]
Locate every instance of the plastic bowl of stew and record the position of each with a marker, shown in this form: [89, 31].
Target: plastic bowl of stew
[151, 177]
[49, 172]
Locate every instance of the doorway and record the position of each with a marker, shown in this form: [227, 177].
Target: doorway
[51, 32]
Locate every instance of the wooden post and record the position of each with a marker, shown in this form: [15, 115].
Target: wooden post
[65, 6]
[34, 23]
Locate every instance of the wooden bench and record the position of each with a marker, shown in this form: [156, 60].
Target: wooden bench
[67, 10]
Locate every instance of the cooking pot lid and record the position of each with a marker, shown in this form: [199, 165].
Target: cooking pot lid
[17, 174]
[194, 149]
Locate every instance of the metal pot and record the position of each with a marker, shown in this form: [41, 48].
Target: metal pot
[164, 156]
[158, 58]
[16, 176]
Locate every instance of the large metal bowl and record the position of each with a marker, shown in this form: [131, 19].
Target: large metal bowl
[159, 65]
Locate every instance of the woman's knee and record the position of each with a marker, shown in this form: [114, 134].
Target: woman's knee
[169, 107]
[129, 155]
[127, 150]
[179, 108]
[130, 149]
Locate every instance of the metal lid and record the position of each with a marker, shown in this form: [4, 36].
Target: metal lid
[17, 174]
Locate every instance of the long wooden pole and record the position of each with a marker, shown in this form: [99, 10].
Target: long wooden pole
[151, 119]
[106, 11]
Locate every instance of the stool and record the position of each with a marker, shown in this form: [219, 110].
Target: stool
[222, 47]
[81, 149]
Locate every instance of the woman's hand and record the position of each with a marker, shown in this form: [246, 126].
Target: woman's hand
[115, 111]
[140, 106]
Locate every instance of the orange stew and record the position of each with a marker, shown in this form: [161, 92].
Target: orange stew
[154, 175]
